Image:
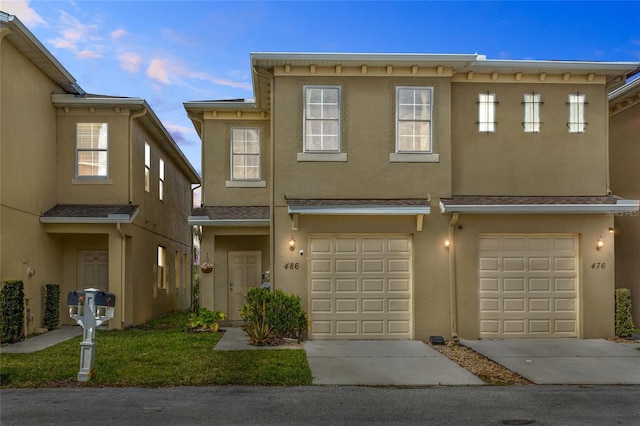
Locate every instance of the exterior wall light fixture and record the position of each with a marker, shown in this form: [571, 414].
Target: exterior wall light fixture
[600, 243]
[292, 243]
[447, 244]
[611, 230]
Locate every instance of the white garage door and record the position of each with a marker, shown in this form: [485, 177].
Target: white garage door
[528, 286]
[360, 287]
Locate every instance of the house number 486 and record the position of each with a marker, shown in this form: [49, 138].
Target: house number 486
[292, 265]
[598, 265]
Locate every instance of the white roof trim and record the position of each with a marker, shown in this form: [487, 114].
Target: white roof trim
[622, 206]
[360, 210]
[205, 221]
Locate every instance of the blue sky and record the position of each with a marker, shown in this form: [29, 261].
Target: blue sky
[169, 52]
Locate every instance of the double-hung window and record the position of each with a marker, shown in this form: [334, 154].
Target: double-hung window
[531, 104]
[245, 154]
[147, 166]
[413, 119]
[577, 123]
[161, 180]
[322, 119]
[487, 112]
[92, 145]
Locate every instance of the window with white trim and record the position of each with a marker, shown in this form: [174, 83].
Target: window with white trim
[577, 123]
[162, 267]
[245, 153]
[92, 148]
[322, 119]
[147, 167]
[413, 119]
[161, 179]
[531, 104]
[487, 112]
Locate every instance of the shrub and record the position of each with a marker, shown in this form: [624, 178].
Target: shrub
[204, 320]
[624, 318]
[270, 316]
[195, 291]
[11, 311]
[52, 306]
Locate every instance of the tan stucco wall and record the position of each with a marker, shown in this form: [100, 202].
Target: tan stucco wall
[368, 137]
[217, 165]
[512, 162]
[625, 181]
[595, 293]
[27, 164]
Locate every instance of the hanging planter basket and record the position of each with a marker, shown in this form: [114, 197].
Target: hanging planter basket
[206, 267]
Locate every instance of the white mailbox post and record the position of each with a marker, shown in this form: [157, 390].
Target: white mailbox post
[90, 308]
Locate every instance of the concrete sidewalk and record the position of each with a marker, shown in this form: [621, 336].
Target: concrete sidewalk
[43, 341]
[234, 339]
[565, 361]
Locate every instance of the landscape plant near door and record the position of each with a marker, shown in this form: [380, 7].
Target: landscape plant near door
[11, 311]
[272, 316]
[52, 306]
[624, 318]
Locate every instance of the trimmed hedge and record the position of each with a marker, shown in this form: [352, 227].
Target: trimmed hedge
[624, 317]
[11, 311]
[52, 306]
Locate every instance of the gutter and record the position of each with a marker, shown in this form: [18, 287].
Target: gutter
[360, 210]
[622, 206]
[205, 221]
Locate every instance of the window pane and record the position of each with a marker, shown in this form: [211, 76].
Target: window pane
[245, 156]
[147, 155]
[92, 135]
[322, 119]
[92, 163]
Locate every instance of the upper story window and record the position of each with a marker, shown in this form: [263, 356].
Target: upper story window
[577, 123]
[322, 119]
[147, 166]
[531, 104]
[245, 153]
[413, 115]
[487, 112]
[161, 179]
[161, 277]
[92, 144]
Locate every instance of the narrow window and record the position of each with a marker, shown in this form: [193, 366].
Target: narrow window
[487, 112]
[91, 149]
[162, 272]
[413, 115]
[147, 166]
[577, 123]
[531, 104]
[321, 119]
[245, 153]
[161, 180]
[176, 268]
[185, 270]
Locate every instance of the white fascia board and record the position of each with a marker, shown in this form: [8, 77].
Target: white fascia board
[360, 210]
[208, 105]
[116, 218]
[72, 100]
[623, 206]
[566, 66]
[205, 221]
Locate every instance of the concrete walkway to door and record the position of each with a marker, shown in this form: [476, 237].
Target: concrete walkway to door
[565, 361]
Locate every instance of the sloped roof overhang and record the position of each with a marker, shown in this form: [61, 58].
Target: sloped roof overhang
[90, 213]
[612, 205]
[383, 207]
[227, 216]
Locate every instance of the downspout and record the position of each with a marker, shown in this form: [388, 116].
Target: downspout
[131, 118]
[272, 174]
[452, 278]
[123, 275]
[202, 153]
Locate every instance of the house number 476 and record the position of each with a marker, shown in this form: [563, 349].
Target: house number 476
[598, 265]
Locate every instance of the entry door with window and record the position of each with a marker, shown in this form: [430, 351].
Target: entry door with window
[244, 271]
[93, 269]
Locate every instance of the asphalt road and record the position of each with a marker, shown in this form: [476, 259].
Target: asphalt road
[323, 405]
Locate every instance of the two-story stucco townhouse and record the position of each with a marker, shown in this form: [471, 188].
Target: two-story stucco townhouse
[94, 192]
[624, 159]
[409, 195]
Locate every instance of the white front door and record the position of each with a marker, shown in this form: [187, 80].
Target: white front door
[244, 271]
[93, 269]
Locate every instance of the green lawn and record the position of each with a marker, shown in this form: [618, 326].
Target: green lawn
[158, 354]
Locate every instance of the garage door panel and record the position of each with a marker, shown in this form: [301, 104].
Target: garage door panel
[366, 292]
[528, 286]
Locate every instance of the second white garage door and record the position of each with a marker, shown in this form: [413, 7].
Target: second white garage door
[360, 287]
[528, 285]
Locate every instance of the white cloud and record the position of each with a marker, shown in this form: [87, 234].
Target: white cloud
[130, 61]
[23, 11]
[118, 33]
[171, 72]
[74, 33]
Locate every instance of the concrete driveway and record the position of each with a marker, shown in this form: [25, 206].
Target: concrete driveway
[376, 362]
[565, 361]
